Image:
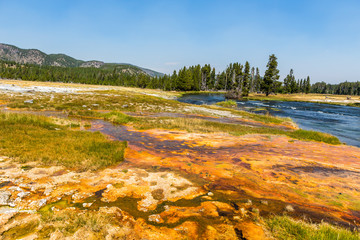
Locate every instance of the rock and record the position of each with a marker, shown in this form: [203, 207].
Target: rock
[15, 188]
[125, 106]
[243, 211]
[83, 233]
[42, 202]
[264, 202]
[255, 210]
[86, 205]
[31, 237]
[210, 194]
[48, 191]
[29, 101]
[249, 202]
[23, 194]
[4, 197]
[289, 208]
[155, 218]
[237, 218]
[57, 235]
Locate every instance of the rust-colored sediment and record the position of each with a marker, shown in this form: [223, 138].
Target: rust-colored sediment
[312, 176]
[180, 185]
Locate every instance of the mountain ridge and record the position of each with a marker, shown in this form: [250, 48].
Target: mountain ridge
[34, 56]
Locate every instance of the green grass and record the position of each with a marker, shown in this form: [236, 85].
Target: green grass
[69, 221]
[30, 138]
[284, 227]
[315, 136]
[265, 118]
[21, 231]
[118, 117]
[228, 103]
[204, 126]
[353, 104]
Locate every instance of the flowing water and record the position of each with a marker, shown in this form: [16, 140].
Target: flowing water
[340, 121]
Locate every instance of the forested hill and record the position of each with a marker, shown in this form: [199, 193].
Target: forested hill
[34, 56]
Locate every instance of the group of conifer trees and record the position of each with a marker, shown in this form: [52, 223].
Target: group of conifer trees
[344, 88]
[236, 80]
[293, 86]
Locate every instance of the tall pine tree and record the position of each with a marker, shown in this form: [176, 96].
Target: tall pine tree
[247, 79]
[271, 75]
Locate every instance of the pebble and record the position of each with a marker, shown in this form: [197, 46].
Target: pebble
[289, 208]
[4, 197]
[42, 202]
[86, 205]
[48, 191]
[23, 194]
[155, 218]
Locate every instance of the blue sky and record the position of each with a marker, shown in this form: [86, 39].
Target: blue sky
[319, 38]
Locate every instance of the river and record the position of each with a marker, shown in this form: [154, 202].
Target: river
[340, 121]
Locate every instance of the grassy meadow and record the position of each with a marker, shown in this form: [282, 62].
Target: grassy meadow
[286, 228]
[29, 138]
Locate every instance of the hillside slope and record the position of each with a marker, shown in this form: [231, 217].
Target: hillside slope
[35, 56]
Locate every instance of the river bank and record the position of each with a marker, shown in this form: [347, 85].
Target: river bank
[353, 101]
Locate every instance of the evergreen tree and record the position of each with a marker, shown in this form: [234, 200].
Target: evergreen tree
[287, 82]
[211, 83]
[196, 78]
[271, 75]
[307, 85]
[205, 77]
[293, 85]
[257, 81]
[252, 83]
[246, 80]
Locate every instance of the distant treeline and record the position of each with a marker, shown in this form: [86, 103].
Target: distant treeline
[236, 77]
[112, 76]
[345, 88]
[237, 80]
